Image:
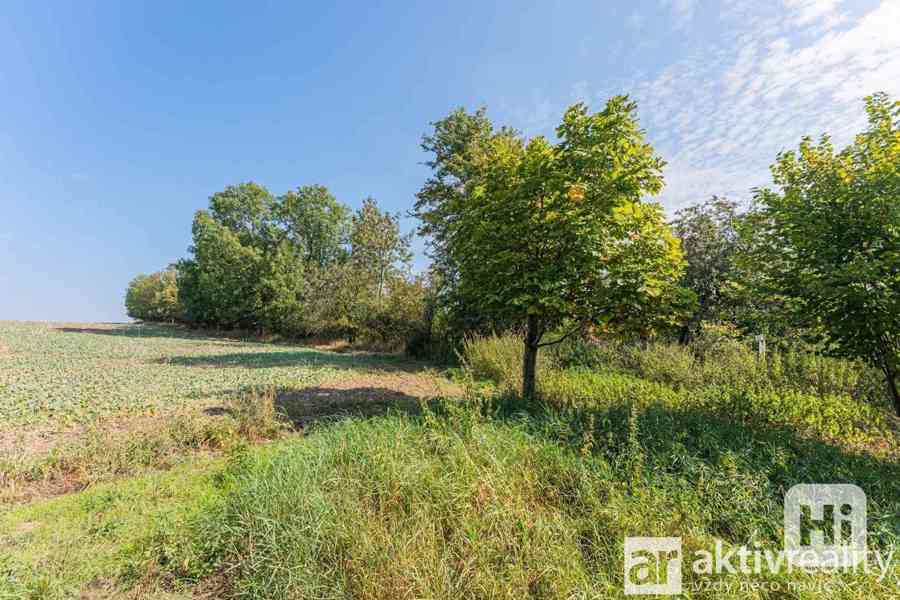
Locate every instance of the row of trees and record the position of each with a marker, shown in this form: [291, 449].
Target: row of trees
[556, 238]
[299, 264]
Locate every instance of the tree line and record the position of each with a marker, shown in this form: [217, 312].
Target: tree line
[557, 238]
[297, 265]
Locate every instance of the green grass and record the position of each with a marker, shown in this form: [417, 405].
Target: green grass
[456, 504]
[70, 373]
[480, 497]
[99, 538]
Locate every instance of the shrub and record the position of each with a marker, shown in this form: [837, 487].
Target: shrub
[498, 358]
[821, 375]
[391, 323]
[256, 413]
[719, 357]
[670, 364]
[574, 388]
[588, 352]
[834, 418]
[837, 419]
[154, 297]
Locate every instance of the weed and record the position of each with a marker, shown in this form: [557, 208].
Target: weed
[256, 414]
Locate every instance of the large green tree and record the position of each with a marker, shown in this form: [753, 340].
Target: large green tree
[454, 145]
[220, 284]
[546, 235]
[709, 240]
[827, 241]
[315, 223]
[255, 257]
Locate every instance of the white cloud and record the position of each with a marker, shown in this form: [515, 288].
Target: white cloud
[806, 12]
[771, 74]
[721, 114]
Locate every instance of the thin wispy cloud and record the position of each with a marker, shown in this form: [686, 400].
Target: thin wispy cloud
[772, 73]
[722, 114]
[805, 12]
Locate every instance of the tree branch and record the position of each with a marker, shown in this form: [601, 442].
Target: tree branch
[564, 337]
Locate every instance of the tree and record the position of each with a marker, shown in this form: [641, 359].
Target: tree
[255, 257]
[828, 240]
[220, 285]
[140, 297]
[153, 297]
[454, 145]
[168, 304]
[315, 223]
[377, 248]
[283, 287]
[549, 235]
[709, 240]
[247, 210]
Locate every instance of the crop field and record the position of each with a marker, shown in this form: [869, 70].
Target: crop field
[76, 373]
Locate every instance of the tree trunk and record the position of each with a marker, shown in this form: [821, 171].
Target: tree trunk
[529, 359]
[888, 357]
[891, 376]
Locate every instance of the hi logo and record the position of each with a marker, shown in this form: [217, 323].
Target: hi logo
[652, 565]
[825, 525]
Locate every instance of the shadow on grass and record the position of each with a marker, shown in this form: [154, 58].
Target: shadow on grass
[142, 330]
[253, 360]
[317, 404]
[297, 358]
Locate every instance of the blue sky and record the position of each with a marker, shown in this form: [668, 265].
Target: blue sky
[119, 119]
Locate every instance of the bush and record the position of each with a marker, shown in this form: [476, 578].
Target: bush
[498, 358]
[834, 418]
[837, 419]
[154, 297]
[670, 364]
[391, 323]
[256, 413]
[588, 352]
[719, 358]
[821, 375]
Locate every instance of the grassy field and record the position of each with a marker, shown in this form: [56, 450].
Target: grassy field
[361, 491]
[75, 373]
[82, 403]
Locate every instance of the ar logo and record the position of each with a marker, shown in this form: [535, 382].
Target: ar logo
[652, 565]
[825, 525]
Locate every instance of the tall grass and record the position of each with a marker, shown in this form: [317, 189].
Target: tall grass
[827, 398]
[725, 361]
[455, 505]
[497, 358]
